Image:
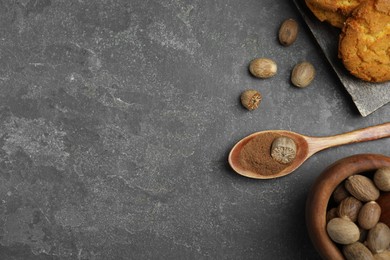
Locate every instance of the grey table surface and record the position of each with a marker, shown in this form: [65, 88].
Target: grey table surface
[116, 121]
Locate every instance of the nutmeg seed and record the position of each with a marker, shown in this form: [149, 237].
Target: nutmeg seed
[363, 234]
[263, 68]
[251, 99]
[283, 150]
[362, 188]
[303, 74]
[385, 255]
[349, 208]
[382, 179]
[340, 193]
[378, 238]
[357, 251]
[343, 231]
[369, 215]
[288, 32]
[331, 214]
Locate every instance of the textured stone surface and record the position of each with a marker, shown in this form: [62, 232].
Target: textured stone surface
[116, 118]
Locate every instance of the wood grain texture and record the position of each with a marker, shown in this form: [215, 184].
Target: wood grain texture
[306, 147]
[321, 191]
[317, 144]
[384, 203]
[368, 97]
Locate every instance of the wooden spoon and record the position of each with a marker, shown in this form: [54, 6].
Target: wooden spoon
[306, 147]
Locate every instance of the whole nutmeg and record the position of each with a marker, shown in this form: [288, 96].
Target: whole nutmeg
[251, 99]
[362, 188]
[343, 231]
[340, 193]
[303, 74]
[382, 179]
[369, 215]
[357, 251]
[378, 238]
[263, 68]
[331, 214]
[349, 208]
[288, 32]
[363, 234]
[385, 255]
[283, 150]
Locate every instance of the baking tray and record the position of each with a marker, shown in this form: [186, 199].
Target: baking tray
[368, 97]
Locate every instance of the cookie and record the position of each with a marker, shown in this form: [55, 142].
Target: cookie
[343, 7]
[364, 44]
[334, 18]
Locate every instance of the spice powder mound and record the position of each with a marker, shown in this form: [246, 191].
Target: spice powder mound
[255, 156]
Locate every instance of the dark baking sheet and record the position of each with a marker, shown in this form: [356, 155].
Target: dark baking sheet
[368, 97]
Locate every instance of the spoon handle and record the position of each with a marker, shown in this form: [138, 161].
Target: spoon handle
[361, 135]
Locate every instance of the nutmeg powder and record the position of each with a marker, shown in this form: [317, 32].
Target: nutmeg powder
[255, 156]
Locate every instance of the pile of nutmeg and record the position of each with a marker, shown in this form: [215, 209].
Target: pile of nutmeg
[354, 223]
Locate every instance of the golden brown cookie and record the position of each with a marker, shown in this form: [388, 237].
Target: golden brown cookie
[343, 7]
[334, 18]
[364, 45]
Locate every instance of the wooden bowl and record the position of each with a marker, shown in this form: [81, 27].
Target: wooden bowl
[321, 192]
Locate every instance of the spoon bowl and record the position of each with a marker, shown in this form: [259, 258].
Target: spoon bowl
[301, 154]
[306, 147]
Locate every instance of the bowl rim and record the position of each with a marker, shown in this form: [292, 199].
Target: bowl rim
[321, 191]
